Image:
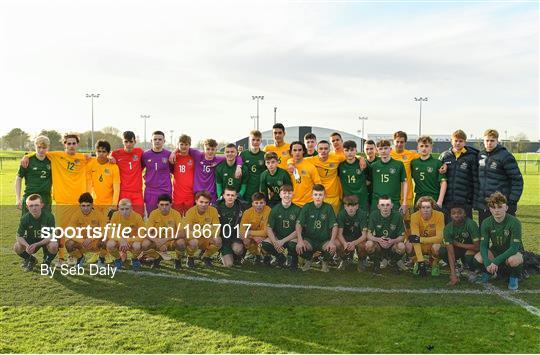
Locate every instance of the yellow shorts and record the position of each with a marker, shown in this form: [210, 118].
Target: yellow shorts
[335, 202]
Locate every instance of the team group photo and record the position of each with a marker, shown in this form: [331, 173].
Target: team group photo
[251, 177]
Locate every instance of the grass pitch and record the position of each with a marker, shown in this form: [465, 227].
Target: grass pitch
[257, 309]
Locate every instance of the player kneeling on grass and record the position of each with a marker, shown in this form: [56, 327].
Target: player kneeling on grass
[163, 223]
[86, 216]
[281, 229]
[230, 214]
[385, 235]
[500, 243]
[352, 232]
[126, 220]
[29, 239]
[253, 226]
[461, 241]
[201, 224]
[427, 227]
[316, 230]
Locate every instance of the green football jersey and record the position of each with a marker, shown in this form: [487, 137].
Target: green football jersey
[225, 176]
[30, 227]
[352, 225]
[353, 181]
[307, 155]
[272, 183]
[317, 222]
[501, 235]
[467, 233]
[386, 179]
[37, 176]
[283, 220]
[388, 227]
[426, 176]
[255, 166]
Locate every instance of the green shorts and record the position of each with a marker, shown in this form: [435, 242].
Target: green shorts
[316, 244]
[226, 246]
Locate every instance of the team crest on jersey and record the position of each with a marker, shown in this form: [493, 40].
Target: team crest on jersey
[48, 166]
[493, 165]
[332, 165]
[170, 223]
[190, 162]
[76, 162]
[279, 183]
[94, 222]
[323, 216]
[135, 157]
[432, 225]
[208, 219]
[284, 153]
[506, 232]
[405, 157]
[164, 160]
[464, 235]
[392, 171]
[303, 172]
[356, 224]
[358, 172]
[429, 169]
[106, 171]
[292, 217]
[261, 162]
[393, 226]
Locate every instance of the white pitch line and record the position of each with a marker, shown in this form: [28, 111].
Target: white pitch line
[309, 287]
[510, 298]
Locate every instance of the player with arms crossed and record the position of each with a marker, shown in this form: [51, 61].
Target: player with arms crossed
[281, 229]
[352, 231]
[183, 173]
[37, 176]
[461, 241]
[500, 244]
[427, 226]
[169, 220]
[87, 216]
[126, 220]
[428, 181]
[202, 227]
[254, 163]
[272, 179]
[230, 212]
[316, 230]
[386, 233]
[29, 234]
[128, 159]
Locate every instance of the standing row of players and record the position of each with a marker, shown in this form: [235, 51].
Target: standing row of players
[340, 172]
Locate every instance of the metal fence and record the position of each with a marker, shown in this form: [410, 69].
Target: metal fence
[529, 167]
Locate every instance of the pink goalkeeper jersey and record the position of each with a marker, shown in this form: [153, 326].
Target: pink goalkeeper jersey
[157, 175]
[205, 171]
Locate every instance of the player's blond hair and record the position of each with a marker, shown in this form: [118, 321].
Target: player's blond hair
[459, 134]
[496, 199]
[42, 140]
[124, 202]
[270, 155]
[491, 133]
[425, 199]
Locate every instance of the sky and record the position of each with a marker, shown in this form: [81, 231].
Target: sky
[194, 66]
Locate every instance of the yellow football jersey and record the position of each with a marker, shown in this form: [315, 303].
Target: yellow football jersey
[258, 222]
[407, 156]
[303, 183]
[105, 182]
[328, 172]
[157, 219]
[429, 231]
[94, 219]
[282, 152]
[193, 217]
[68, 176]
[134, 221]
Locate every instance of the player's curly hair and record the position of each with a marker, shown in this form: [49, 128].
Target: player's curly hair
[496, 199]
[425, 199]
